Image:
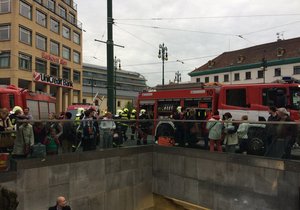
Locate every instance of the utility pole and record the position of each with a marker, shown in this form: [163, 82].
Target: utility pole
[110, 60]
[163, 54]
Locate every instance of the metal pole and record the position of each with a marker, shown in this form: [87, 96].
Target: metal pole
[110, 59]
[92, 83]
[163, 68]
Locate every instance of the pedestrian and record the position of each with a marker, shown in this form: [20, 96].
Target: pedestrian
[230, 138]
[214, 127]
[285, 135]
[6, 139]
[68, 137]
[144, 126]
[52, 143]
[24, 140]
[88, 131]
[27, 114]
[61, 204]
[107, 125]
[179, 125]
[192, 128]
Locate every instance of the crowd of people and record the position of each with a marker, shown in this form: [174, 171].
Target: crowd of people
[274, 138]
[20, 134]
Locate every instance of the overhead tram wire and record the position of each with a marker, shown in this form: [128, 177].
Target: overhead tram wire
[176, 29]
[205, 17]
[152, 45]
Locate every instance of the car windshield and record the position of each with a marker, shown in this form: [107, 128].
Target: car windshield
[295, 98]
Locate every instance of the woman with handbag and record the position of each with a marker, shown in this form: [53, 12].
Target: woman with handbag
[24, 141]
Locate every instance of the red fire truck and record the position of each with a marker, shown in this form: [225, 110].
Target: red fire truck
[249, 99]
[40, 104]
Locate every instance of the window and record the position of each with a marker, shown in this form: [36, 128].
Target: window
[260, 74]
[248, 75]
[76, 76]
[54, 48]
[68, 2]
[226, 77]
[41, 42]
[66, 53]
[236, 76]
[54, 70]
[51, 5]
[198, 80]
[54, 26]
[4, 59]
[62, 12]
[39, 1]
[236, 97]
[24, 62]
[4, 32]
[84, 100]
[66, 73]
[76, 57]
[274, 97]
[25, 36]
[76, 37]
[119, 103]
[296, 69]
[41, 18]
[277, 72]
[41, 66]
[5, 6]
[66, 32]
[216, 78]
[206, 79]
[72, 18]
[25, 10]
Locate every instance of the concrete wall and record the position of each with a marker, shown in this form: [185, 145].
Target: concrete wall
[100, 180]
[222, 181]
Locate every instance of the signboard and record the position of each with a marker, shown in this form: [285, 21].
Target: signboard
[54, 59]
[51, 80]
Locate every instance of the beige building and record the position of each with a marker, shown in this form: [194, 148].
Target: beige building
[258, 64]
[40, 48]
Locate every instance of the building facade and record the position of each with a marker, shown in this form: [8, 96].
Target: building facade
[259, 64]
[41, 48]
[128, 86]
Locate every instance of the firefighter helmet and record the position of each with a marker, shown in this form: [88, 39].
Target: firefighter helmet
[143, 111]
[119, 112]
[179, 109]
[79, 111]
[133, 111]
[17, 108]
[125, 110]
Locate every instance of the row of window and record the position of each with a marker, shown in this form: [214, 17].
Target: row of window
[248, 76]
[52, 3]
[42, 19]
[25, 63]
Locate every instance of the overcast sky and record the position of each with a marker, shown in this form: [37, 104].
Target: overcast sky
[194, 31]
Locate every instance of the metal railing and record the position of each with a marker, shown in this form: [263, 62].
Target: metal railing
[270, 139]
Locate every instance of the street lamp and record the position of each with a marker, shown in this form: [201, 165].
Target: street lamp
[163, 54]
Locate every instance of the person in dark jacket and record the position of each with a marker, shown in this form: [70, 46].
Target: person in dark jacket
[68, 136]
[61, 204]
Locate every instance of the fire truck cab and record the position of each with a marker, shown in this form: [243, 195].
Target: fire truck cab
[40, 104]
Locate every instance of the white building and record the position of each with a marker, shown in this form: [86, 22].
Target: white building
[259, 64]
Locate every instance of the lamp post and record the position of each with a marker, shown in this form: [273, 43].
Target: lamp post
[163, 54]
